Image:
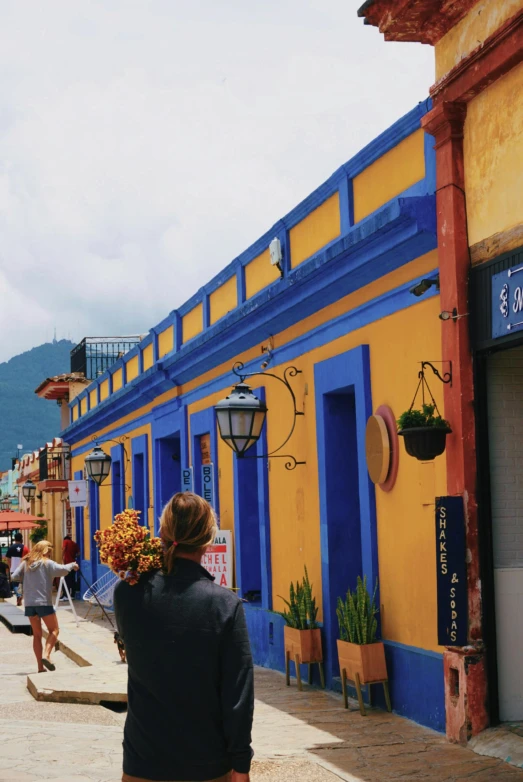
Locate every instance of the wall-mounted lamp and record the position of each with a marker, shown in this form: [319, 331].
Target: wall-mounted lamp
[425, 285]
[29, 491]
[241, 415]
[98, 463]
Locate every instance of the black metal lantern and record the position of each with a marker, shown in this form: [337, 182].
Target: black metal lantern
[29, 491]
[98, 465]
[241, 416]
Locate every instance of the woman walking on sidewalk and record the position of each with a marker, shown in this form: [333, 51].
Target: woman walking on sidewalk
[36, 572]
[190, 689]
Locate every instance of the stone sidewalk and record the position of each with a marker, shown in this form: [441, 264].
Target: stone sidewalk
[297, 736]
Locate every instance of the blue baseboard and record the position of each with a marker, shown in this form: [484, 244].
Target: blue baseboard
[415, 675]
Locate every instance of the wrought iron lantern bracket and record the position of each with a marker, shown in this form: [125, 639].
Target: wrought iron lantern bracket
[97, 439]
[289, 372]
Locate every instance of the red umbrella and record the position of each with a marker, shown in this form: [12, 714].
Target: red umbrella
[11, 520]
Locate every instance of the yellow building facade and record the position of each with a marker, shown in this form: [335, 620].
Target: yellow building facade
[341, 312]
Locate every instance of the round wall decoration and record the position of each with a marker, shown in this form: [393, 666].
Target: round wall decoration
[381, 443]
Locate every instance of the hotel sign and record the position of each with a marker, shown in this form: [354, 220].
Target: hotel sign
[507, 302]
[451, 571]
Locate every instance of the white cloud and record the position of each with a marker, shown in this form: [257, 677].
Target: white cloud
[145, 144]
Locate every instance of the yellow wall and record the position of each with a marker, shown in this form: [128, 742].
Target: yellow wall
[131, 368]
[93, 398]
[316, 230]
[148, 357]
[484, 19]
[223, 300]
[83, 405]
[75, 413]
[117, 380]
[493, 153]
[104, 390]
[192, 323]
[259, 273]
[390, 175]
[165, 344]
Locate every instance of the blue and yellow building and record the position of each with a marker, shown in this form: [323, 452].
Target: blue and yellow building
[341, 311]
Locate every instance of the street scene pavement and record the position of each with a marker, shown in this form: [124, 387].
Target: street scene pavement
[297, 736]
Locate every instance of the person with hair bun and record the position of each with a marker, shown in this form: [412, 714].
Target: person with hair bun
[190, 681]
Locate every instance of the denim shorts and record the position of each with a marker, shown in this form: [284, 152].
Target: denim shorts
[39, 611]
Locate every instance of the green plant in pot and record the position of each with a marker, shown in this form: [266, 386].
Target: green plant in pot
[424, 432]
[302, 636]
[360, 654]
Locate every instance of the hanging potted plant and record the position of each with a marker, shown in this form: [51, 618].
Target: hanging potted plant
[360, 654]
[302, 636]
[424, 432]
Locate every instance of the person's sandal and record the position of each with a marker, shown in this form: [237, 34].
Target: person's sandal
[48, 664]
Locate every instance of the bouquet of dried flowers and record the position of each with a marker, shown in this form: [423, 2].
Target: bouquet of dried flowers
[127, 548]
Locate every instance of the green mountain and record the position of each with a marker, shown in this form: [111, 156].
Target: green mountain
[24, 418]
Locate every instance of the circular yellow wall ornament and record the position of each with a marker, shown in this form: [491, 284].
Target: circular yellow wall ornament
[377, 446]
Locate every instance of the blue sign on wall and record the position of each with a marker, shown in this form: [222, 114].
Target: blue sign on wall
[187, 479]
[451, 571]
[507, 302]
[208, 483]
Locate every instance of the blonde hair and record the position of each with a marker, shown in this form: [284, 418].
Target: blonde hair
[38, 553]
[188, 524]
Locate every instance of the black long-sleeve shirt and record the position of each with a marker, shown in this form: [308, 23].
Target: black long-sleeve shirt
[190, 688]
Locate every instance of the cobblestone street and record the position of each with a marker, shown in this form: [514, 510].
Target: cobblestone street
[297, 736]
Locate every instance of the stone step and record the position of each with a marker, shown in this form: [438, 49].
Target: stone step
[14, 619]
[94, 684]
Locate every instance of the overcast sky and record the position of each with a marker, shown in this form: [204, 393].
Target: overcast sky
[145, 143]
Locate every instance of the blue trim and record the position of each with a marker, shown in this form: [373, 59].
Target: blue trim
[204, 422]
[415, 675]
[381, 307]
[346, 372]
[377, 245]
[340, 180]
[168, 422]
[416, 681]
[140, 453]
[252, 533]
[118, 488]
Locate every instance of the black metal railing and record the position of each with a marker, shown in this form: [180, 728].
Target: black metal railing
[94, 355]
[55, 463]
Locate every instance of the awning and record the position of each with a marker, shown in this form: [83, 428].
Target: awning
[13, 520]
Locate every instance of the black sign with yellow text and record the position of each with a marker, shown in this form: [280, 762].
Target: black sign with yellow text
[451, 571]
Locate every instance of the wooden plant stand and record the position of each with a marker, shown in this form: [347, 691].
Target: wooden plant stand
[363, 664]
[303, 647]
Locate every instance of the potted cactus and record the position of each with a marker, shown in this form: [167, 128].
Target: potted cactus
[424, 433]
[360, 654]
[302, 636]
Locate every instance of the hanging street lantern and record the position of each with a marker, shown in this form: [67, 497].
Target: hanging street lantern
[29, 491]
[241, 415]
[98, 465]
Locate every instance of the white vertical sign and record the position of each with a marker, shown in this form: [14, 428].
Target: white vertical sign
[187, 479]
[218, 558]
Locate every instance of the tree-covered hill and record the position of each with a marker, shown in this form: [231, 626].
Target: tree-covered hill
[24, 418]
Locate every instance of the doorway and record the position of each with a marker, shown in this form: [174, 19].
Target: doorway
[504, 387]
[170, 471]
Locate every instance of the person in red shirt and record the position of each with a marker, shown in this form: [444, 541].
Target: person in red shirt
[70, 553]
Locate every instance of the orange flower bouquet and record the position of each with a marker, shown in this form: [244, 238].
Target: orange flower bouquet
[127, 548]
